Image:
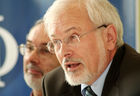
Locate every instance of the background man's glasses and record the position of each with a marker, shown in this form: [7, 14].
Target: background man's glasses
[72, 40]
[29, 48]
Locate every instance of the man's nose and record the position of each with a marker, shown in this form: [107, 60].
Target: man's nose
[66, 50]
[34, 56]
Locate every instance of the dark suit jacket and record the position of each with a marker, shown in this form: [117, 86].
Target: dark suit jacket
[123, 78]
[54, 84]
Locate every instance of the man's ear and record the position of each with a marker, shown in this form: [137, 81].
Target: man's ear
[110, 37]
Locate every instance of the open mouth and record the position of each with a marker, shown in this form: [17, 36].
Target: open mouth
[72, 66]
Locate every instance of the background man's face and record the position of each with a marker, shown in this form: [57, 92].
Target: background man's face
[37, 62]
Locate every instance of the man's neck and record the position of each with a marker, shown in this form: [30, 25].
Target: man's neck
[37, 93]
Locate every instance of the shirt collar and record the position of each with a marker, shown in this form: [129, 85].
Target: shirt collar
[97, 86]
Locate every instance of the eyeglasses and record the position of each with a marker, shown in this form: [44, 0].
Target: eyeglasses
[29, 48]
[73, 39]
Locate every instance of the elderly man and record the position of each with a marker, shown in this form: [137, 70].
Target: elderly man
[37, 59]
[86, 36]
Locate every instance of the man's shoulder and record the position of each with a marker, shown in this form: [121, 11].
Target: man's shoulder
[123, 77]
[53, 81]
[55, 74]
[131, 52]
[127, 56]
[129, 72]
[131, 59]
[55, 77]
[127, 61]
[54, 84]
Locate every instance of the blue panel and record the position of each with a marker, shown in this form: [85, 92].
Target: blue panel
[19, 16]
[126, 9]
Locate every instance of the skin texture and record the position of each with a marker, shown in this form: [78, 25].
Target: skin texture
[36, 64]
[89, 58]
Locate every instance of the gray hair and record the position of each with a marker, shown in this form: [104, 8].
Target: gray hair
[103, 12]
[99, 11]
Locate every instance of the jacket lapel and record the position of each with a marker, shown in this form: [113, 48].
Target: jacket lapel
[110, 88]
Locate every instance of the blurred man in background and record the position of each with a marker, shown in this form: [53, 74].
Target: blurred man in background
[37, 59]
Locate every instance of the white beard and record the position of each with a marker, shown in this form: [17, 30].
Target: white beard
[32, 82]
[73, 80]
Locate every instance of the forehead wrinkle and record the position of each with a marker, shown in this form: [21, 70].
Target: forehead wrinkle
[59, 16]
[66, 31]
[69, 29]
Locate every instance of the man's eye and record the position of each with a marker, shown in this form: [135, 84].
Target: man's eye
[44, 50]
[73, 38]
[29, 47]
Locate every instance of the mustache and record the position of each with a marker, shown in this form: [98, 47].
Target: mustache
[34, 67]
[78, 60]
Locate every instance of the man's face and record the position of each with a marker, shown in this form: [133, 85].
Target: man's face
[37, 62]
[84, 61]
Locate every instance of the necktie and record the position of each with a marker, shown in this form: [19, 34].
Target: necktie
[89, 92]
